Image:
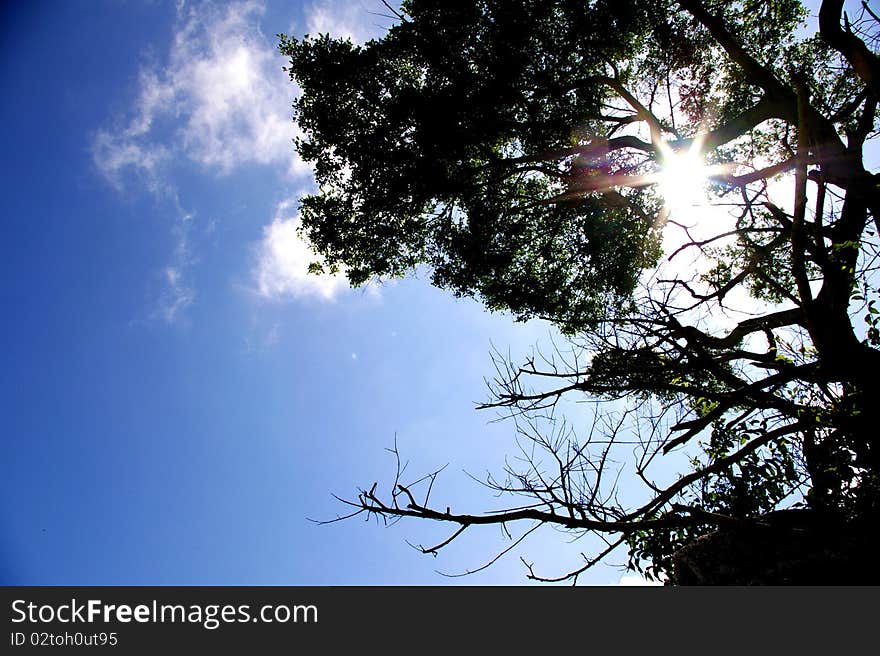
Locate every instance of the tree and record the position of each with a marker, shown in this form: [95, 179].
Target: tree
[528, 154]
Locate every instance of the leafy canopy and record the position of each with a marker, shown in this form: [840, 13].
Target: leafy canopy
[412, 139]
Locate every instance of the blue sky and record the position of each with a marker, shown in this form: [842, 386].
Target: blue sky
[178, 397]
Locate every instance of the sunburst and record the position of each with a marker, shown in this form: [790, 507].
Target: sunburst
[682, 178]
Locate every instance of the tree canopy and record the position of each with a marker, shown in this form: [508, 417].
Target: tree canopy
[525, 153]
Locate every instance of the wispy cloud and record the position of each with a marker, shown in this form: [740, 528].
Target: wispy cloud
[260, 338]
[283, 262]
[221, 101]
[176, 297]
[178, 293]
[357, 20]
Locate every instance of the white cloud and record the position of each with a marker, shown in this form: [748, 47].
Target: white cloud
[631, 580]
[284, 258]
[115, 153]
[176, 297]
[222, 99]
[358, 20]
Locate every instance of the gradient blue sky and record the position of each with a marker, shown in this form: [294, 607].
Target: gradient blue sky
[178, 398]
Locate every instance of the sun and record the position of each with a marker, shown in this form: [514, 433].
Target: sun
[682, 180]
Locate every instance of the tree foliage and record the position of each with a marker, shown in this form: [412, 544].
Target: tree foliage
[520, 151]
